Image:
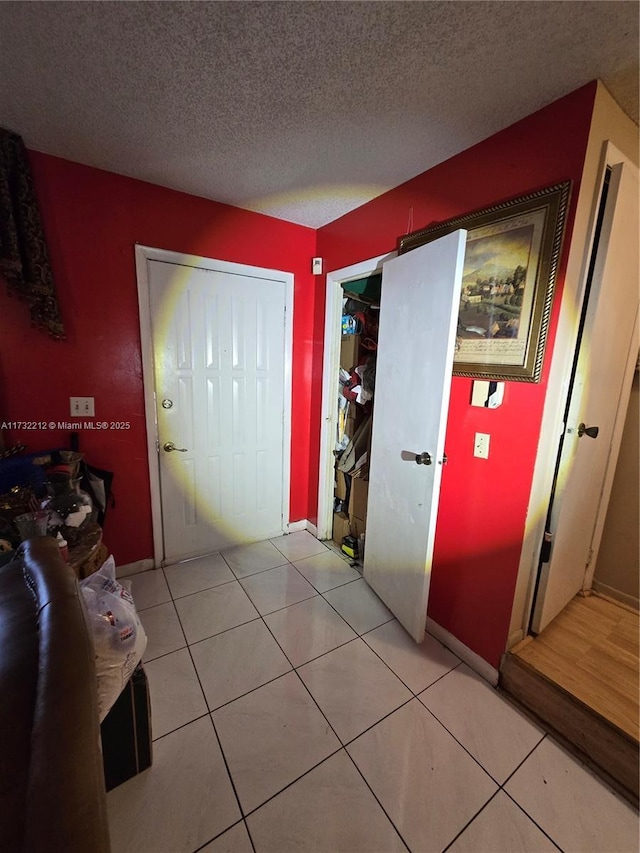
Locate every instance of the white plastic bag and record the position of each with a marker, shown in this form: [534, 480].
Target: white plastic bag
[118, 635]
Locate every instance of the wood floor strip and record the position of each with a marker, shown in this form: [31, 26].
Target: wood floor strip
[591, 651]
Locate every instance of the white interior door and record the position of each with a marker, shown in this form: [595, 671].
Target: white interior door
[418, 319]
[599, 399]
[219, 372]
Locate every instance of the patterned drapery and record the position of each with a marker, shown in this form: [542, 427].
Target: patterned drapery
[24, 262]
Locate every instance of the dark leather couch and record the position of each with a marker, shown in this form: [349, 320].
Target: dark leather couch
[52, 795]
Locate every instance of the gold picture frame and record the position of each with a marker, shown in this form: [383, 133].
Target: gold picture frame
[509, 276]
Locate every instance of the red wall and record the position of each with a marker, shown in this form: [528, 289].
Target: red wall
[483, 503]
[92, 220]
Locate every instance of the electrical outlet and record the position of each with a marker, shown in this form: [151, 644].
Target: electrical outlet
[82, 407]
[481, 445]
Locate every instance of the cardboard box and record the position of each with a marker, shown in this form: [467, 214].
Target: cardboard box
[341, 527]
[356, 448]
[358, 498]
[349, 351]
[357, 526]
[350, 427]
[341, 486]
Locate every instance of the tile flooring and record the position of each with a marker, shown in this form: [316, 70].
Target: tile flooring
[291, 713]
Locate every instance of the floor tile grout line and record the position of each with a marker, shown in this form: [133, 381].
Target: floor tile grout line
[225, 631]
[415, 695]
[251, 841]
[215, 731]
[377, 722]
[220, 834]
[469, 822]
[526, 813]
[477, 761]
[181, 726]
[253, 574]
[315, 592]
[249, 692]
[292, 670]
[291, 534]
[175, 598]
[373, 794]
[226, 766]
[526, 758]
[302, 682]
[344, 618]
[293, 782]
[293, 604]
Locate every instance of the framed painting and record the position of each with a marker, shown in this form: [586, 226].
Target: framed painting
[509, 275]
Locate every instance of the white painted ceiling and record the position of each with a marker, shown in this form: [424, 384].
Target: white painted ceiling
[302, 110]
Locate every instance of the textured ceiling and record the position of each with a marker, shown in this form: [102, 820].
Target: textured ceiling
[302, 110]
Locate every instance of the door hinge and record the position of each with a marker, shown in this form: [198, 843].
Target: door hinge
[589, 558]
[545, 551]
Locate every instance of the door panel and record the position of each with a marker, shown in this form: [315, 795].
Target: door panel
[599, 398]
[219, 358]
[418, 319]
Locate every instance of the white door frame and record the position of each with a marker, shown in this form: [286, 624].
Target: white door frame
[330, 368]
[552, 425]
[143, 254]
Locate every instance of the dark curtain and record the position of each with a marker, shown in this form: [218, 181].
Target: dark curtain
[24, 262]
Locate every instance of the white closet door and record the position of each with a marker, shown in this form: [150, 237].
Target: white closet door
[418, 320]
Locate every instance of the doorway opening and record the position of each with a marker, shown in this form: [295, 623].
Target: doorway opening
[577, 668]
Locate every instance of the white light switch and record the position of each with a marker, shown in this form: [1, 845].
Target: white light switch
[82, 407]
[481, 445]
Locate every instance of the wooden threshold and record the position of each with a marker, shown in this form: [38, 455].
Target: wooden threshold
[580, 678]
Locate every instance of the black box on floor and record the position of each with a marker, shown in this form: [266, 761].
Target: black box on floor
[126, 732]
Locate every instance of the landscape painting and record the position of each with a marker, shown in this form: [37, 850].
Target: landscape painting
[508, 278]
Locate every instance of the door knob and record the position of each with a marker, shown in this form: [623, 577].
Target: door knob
[592, 432]
[423, 458]
[169, 446]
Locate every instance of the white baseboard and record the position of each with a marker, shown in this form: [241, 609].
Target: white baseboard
[303, 524]
[134, 568]
[473, 660]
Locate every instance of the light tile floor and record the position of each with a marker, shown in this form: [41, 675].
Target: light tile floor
[291, 713]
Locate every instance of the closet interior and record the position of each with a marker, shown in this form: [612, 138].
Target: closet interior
[356, 398]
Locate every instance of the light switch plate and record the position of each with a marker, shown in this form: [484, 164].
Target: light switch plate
[481, 445]
[82, 407]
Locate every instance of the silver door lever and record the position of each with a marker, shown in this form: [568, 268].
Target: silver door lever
[423, 458]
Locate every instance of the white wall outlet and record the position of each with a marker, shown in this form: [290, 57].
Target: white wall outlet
[481, 445]
[82, 407]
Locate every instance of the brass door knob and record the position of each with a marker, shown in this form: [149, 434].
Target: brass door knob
[592, 432]
[169, 446]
